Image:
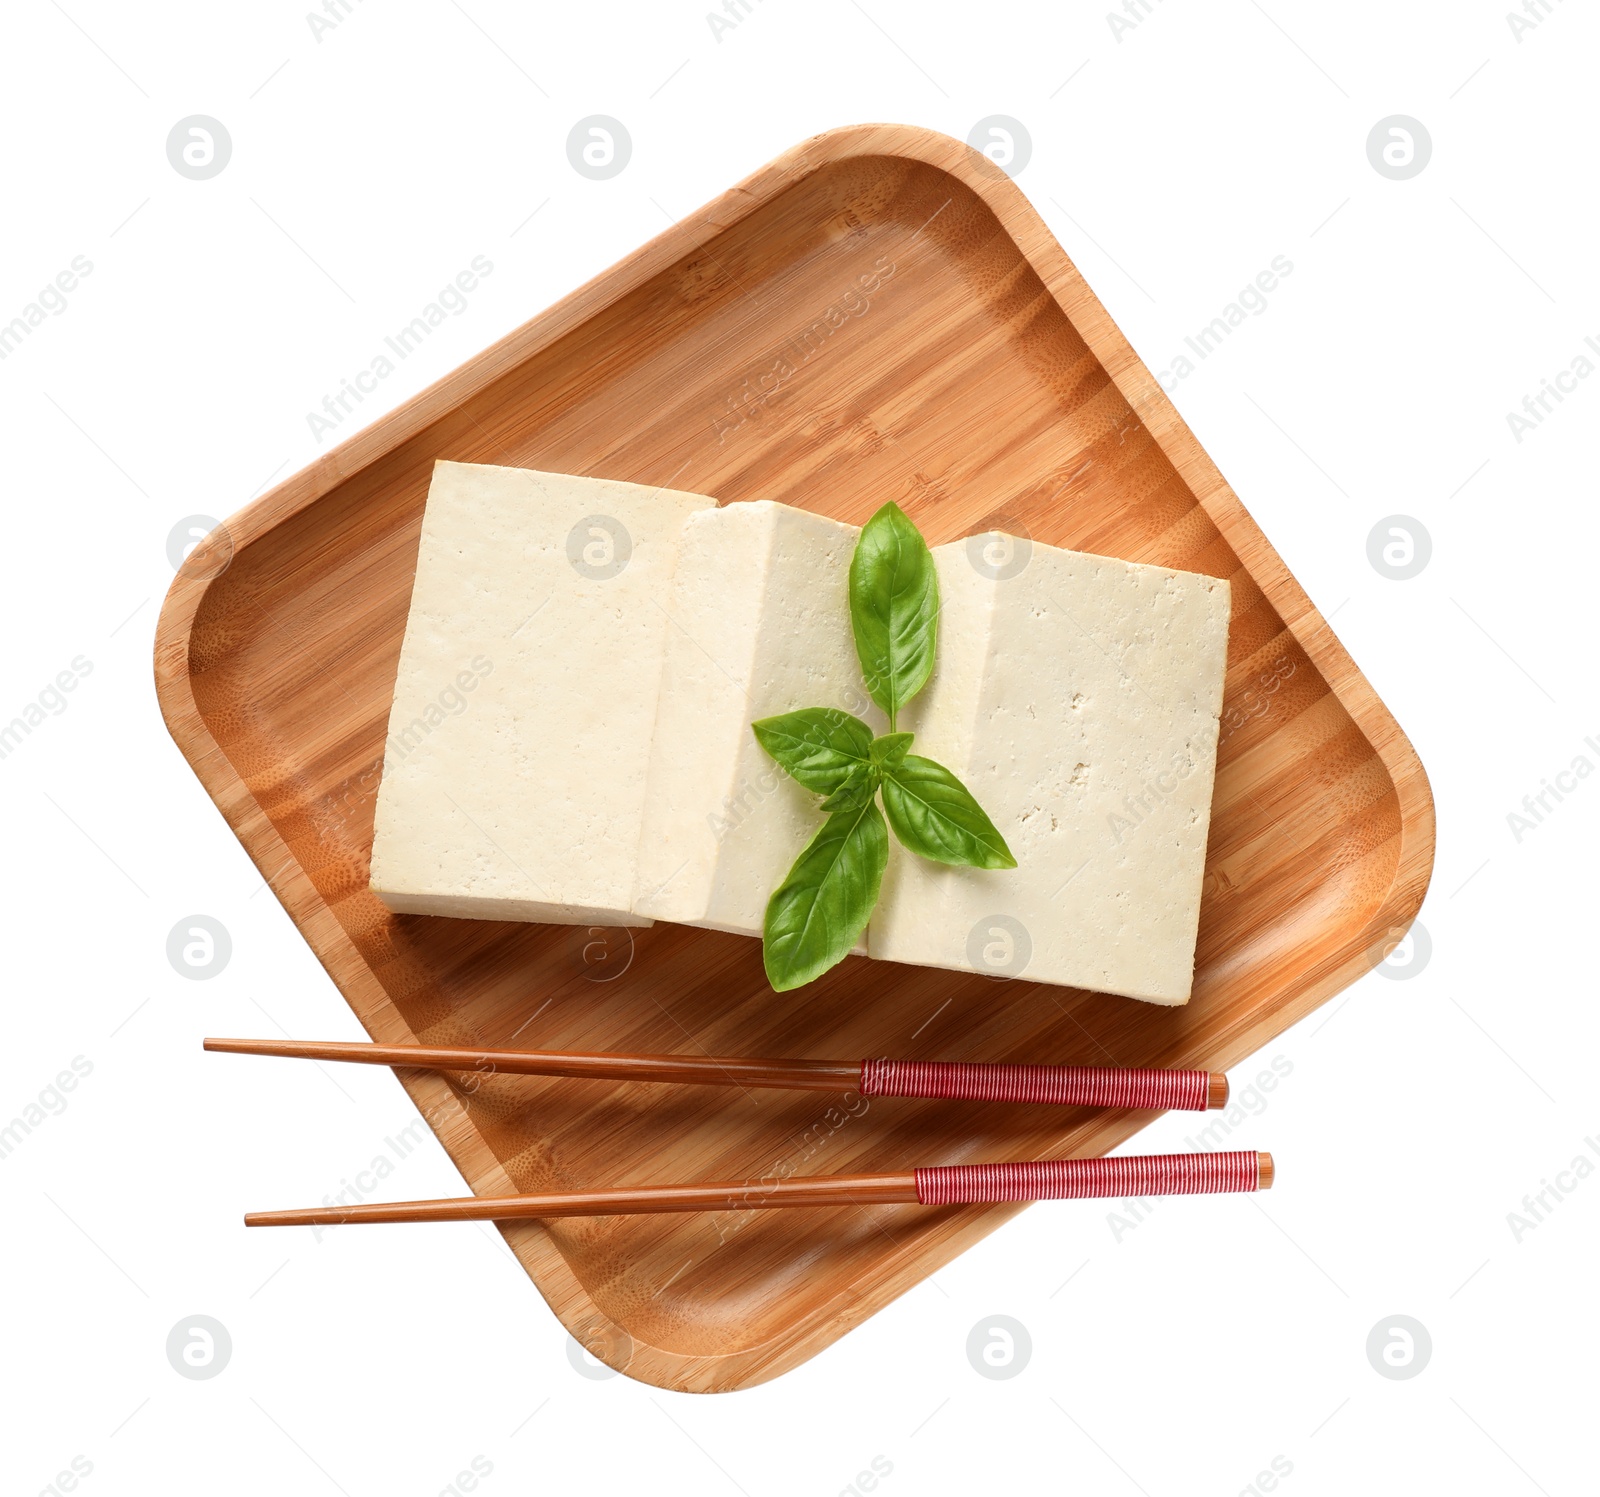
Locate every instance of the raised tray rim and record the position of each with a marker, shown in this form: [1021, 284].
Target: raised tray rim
[360, 987]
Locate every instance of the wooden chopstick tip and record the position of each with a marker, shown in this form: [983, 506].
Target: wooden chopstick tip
[1217, 1094]
[1265, 1171]
[282, 1219]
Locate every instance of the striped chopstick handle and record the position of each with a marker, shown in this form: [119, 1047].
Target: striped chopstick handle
[1072, 1179]
[1071, 1086]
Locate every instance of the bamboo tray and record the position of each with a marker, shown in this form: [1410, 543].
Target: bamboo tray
[878, 314]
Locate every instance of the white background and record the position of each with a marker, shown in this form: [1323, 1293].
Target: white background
[1179, 1355]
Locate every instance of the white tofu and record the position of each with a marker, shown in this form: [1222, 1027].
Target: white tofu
[519, 741]
[1078, 701]
[760, 625]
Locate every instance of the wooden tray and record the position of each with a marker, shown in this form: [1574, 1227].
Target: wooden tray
[878, 314]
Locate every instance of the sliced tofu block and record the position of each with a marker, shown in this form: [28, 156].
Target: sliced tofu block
[1078, 700]
[519, 742]
[760, 625]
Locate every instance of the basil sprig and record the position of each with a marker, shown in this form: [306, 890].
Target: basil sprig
[816, 915]
[894, 609]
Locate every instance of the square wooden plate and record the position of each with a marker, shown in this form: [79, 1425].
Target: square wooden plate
[878, 314]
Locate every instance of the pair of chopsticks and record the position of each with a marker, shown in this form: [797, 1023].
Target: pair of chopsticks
[943, 1185]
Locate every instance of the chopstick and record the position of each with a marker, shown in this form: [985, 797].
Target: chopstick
[971, 1081]
[941, 1185]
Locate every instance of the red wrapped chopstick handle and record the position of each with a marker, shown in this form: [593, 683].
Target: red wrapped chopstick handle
[1070, 1179]
[1071, 1086]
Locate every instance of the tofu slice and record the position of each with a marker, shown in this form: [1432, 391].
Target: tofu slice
[760, 624]
[1078, 700]
[519, 741]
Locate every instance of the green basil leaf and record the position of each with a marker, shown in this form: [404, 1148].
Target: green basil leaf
[816, 914]
[818, 746]
[890, 749]
[860, 785]
[935, 815]
[894, 608]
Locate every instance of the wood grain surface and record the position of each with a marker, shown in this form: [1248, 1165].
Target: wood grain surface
[878, 314]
